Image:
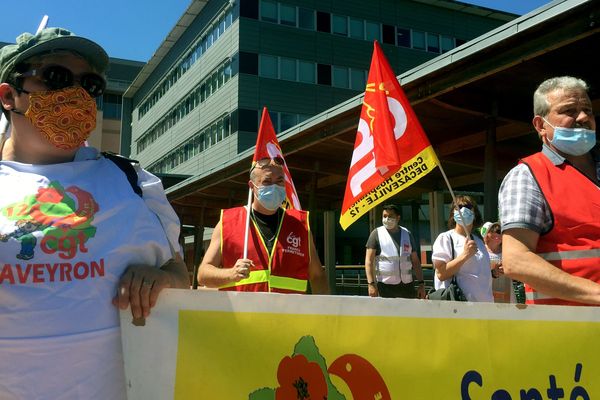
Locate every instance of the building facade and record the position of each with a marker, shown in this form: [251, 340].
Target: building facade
[198, 100]
[120, 74]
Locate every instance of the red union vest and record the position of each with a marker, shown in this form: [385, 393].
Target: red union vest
[285, 270]
[573, 243]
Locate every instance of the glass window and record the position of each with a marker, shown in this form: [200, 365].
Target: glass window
[340, 25]
[206, 134]
[219, 131]
[447, 43]
[357, 29]
[433, 43]
[288, 69]
[340, 77]
[213, 133]
[306, 18]
[268, 11]
[275, 120]
[418, 40]
[288, 120]
[357, 79]
[221, 27]
[268, 66]
[221, 76]
[215, 81]
[202, 92]
[227, 72]
[373, 31]
[403, 37]
[287, 15]
[226, 126]
[228, 20]
[306, 72]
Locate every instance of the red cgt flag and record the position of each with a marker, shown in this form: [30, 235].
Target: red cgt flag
[267, 146]
[391, 151]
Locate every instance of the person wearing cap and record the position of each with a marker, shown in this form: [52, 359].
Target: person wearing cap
[281, 254]
[550, 202]
[502, 286]
[76, 241]
[391, 257]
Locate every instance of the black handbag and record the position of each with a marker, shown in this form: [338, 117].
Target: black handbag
[453, 292]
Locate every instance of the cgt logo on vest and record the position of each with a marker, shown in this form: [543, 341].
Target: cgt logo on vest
[294, 243]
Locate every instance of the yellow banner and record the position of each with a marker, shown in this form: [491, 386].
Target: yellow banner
[411, 171]
[269, 346]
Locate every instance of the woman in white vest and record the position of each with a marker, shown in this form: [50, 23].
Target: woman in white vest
[391, 257]
[463, 255]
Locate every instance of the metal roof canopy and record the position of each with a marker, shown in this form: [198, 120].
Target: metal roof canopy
[458, 97]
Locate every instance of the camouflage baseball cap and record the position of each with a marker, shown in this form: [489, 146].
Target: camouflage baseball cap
[48, 41]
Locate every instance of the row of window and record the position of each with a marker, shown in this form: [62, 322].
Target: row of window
[355, 28]
[213, 133]
[283, 121]
[207, 87]
[291, 69]
[207, 39]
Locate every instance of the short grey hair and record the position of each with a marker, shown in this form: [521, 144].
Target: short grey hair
[541, 106]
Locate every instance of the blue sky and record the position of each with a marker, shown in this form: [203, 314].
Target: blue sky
[133, 29]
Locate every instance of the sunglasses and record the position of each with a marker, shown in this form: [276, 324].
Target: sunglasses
[264, 162]
[57, 77]
[469, 206]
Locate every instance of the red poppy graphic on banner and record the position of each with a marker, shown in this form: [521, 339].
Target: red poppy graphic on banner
[391, 150]
[267, 146]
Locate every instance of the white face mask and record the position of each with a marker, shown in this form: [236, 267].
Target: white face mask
[389, 223]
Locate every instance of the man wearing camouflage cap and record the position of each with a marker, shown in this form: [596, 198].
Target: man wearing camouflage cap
[74, 234]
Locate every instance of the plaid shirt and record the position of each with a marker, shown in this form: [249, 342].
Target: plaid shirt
[521, 202]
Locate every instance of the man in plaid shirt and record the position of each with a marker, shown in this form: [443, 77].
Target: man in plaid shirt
[550, 202]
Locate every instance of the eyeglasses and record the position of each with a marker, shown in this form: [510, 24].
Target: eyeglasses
[57, 77]
[264, 162]
[469, 206]
[495, 230]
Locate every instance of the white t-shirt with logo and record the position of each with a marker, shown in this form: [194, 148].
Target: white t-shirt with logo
[67, 233]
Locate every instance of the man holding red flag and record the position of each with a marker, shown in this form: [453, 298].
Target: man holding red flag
[391, 151]
[277, 254]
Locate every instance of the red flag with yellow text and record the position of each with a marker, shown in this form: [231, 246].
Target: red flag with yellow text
[391, 150]
[267, 146]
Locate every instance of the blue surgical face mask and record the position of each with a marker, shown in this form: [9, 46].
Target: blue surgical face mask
[573, 141]
[468, 216]
[270, 196]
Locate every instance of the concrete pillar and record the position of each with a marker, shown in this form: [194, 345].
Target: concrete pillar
[329, 239]
[198, 248]
[490, 180]
[437, 220]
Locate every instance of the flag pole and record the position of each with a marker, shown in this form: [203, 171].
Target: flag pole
[453, 197]
[42, 24]
[247, 223]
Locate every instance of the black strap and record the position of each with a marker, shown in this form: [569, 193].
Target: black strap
[452, 247]
[126, 165]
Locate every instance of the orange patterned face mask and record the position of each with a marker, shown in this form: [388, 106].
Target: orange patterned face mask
[65, 117]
